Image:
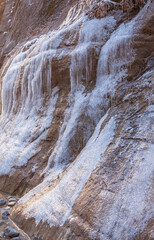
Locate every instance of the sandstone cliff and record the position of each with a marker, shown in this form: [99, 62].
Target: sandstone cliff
[76, 140]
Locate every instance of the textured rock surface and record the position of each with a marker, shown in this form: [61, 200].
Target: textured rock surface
[76, 117]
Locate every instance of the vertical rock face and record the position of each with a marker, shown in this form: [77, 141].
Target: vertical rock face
[76, 117]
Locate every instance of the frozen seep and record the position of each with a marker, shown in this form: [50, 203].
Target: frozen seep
[26, 84]
[80, 70]
[61, 199]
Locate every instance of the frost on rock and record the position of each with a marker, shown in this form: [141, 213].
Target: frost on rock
[132, 201]
[22, 103]
[61, 199]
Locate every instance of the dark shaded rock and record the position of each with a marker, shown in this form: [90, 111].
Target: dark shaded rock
[6, 213]
[4, 217]
[2, 202]
[11, 232]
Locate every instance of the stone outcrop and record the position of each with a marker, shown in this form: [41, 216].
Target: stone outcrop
[8, 229]
[132, 4]
[103, 8]
[76, 118]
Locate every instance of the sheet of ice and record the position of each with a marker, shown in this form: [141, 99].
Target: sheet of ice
[97, 30]
[62, 197]
[132, 208]
[20, 137]
[30, 72]
[78, 100]
[115, 57]
[93, 35]
[26, 84]
[25, 119]
[56, 205]
[67, 131]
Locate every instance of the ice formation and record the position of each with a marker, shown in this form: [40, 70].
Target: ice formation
[29, 101]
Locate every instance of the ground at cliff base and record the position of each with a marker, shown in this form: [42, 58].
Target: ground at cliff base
[8, 229]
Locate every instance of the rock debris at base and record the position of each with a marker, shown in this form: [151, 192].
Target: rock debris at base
[8, 230]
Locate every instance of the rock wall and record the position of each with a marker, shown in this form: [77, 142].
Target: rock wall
[76, 119]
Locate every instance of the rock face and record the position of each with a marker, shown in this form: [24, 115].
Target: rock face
[76, 118]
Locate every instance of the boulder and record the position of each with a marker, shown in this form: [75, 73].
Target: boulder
[6, 213]
[12, 203]
[2, 202]
[11, 232]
